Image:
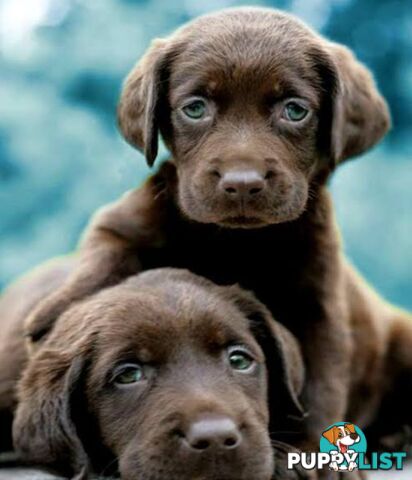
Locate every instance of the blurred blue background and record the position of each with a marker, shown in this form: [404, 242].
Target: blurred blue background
[61, 67]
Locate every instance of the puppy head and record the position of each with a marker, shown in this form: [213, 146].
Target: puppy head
[342, 436]
[348, 435]
[167, 374]
[255, 108]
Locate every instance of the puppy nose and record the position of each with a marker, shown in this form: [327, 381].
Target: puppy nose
[213, 433]
[354, 436]
[242, 183]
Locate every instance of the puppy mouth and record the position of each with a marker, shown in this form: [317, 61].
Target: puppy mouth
[343, 448]
[242, 221]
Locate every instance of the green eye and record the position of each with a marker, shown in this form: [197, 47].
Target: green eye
[129, 374]
[195, 110]
[240, 360]
[295, 112]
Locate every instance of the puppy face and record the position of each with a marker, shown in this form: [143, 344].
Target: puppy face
[172, 371]
[342, 436]
[182, 397]
[255, 108]
[248, 159]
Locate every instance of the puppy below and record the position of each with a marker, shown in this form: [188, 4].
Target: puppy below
[165, 376]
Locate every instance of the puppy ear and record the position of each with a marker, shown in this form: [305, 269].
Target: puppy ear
[283, 358]
[359, 116]
[350, 427]
[331, 435]
[143, 92]
[44, 429]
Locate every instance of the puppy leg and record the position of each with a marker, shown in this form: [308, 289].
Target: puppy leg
[108, 252]
[327, 347]
[399, 365]
[352, 466]
[392, 428]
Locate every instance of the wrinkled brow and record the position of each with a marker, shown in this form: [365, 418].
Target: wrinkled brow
[218, 84]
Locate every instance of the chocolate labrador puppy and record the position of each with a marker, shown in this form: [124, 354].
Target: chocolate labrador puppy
[164, 376]
[257, 111]
[167, 375]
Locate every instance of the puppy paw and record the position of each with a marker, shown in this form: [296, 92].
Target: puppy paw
[41, 320]
[334, 467]
[352, 466]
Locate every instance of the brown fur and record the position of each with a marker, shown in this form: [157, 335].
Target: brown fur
[15, 304]
[280, 240]
[331, 434]
[180, 327]
[159, 312]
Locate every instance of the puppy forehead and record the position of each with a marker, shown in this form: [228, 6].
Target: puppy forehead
[250, 78]
[238, 53]
[159, 321]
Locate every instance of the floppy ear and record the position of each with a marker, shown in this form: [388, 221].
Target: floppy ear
[331, 435]
[359, 115]
[283, 359]
[44, 429]
[350, 427]
[143, 93]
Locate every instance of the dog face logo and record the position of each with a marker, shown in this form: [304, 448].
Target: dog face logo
[343, 448]
[343, 441]
[342, 436]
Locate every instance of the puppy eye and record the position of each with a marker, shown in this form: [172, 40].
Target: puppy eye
[195, 110]
[128, 374]
[294, 112]
[240, 360]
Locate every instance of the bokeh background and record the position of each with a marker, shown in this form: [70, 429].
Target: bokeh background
[61, 67]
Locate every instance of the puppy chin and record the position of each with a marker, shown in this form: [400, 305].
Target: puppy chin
[265, 219]
[197, 211]
[209, 209]
[244, 222]
[233, 220]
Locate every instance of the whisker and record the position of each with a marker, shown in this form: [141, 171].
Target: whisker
[110, 464]
[161, 192]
